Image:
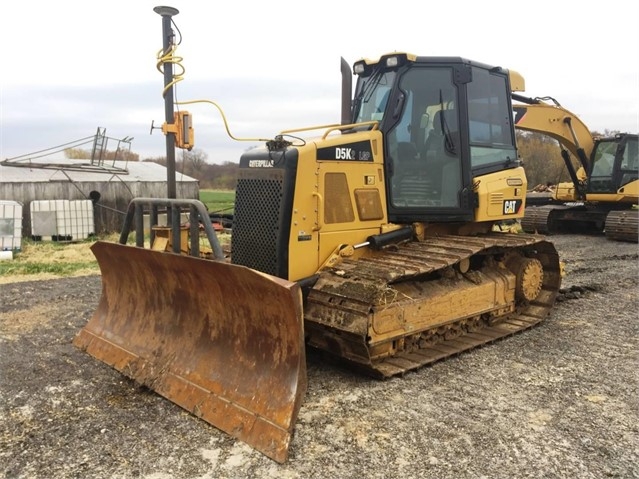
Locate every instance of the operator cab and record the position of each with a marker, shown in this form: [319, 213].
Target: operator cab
[445, 120]
[615, 163]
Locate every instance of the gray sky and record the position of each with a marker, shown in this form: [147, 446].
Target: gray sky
[70, 66]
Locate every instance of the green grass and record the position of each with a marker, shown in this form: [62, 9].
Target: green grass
[218, 201]
[16, 267]
[37, 258]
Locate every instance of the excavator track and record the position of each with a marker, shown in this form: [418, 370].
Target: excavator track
[576, 218]
[536, 219]
[620, 225]
[623, 225]
[421, 302]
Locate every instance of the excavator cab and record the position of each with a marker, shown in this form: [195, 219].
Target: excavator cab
[615, 164]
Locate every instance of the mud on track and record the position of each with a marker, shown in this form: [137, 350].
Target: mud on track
[560, 400]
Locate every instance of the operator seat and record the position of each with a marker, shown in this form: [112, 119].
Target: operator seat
[435, 145]
[442, 156]
[407, 152]
[413, 180]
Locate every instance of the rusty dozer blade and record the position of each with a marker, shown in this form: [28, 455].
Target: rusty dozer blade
[223, 341]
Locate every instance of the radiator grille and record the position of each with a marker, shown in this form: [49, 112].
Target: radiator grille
[257, 223]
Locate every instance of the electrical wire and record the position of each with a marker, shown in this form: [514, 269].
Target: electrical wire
[170, 57]
[226, 125]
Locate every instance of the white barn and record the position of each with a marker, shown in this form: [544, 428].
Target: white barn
[110, 188]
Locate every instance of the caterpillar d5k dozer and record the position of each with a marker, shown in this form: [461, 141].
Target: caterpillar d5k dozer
[603, 192]
[376, 242]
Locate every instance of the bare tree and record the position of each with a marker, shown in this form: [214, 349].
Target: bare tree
[196, 158]
[542, 159]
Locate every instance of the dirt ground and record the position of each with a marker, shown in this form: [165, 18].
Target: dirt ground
[558, 401]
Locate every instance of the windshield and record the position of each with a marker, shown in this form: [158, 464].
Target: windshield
[372, 95]
[615, 164]
[604, 158]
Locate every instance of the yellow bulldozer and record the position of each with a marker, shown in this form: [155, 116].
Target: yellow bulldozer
[603, 192]
[376, 242]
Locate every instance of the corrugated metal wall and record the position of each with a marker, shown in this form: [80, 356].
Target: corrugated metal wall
[110, 208]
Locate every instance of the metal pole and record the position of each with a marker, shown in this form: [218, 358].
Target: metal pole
[167, 42]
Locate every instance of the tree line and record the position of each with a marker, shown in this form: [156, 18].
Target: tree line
[211, 176]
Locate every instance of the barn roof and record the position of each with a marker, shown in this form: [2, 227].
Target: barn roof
[36, 171]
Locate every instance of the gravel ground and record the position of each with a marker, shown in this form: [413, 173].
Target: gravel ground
[559, 400]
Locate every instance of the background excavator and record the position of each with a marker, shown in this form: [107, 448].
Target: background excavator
[603, 192]
[374, 242]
